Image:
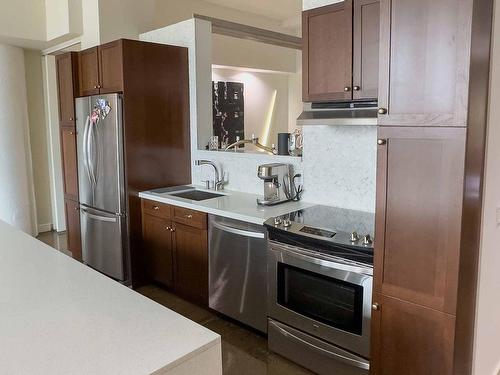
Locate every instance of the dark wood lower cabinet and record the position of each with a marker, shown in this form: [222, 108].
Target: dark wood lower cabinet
[157, 239]
[72, 209]
[191, 262]
[411, 339]
[175, 249]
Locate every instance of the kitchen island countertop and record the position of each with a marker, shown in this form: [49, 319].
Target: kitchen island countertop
[58, 316]
[233, 205]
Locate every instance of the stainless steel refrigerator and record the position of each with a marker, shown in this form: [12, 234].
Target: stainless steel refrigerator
[101, 180]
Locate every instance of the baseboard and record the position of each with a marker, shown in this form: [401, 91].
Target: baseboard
[42, 228]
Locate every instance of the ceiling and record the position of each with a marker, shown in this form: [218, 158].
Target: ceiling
[277, 9]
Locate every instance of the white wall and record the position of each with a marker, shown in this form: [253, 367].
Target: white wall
[229, 51]
[311, 4]
[38, 139]
[124, 18]
[16, 181]
[63, 18]
[265, 100]
[53, 142]
[487, 339]
[22, 20]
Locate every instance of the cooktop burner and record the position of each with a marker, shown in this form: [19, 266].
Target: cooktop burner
[337, 231]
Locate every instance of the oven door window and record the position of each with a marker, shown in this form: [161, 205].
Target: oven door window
[334, 302]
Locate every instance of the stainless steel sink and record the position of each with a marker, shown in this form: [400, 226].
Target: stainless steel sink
[196, 195]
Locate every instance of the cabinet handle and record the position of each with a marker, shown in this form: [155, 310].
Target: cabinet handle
[71, 119]
[168, 228]
[382, 111]
[347, 89]
[172, 230]
[156, 208]
[71, 133]
[375, 307]
[189, 216]
[381, 142]
[356, 88]
[77, 208]
[96, 87]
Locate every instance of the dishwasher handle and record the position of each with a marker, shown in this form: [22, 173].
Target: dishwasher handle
[238, 232]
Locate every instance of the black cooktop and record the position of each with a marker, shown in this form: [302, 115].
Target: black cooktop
[332, 230]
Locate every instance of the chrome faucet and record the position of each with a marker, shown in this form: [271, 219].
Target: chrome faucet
[218, 177]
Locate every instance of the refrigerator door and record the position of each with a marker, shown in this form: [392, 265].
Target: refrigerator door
[100, 152]
[103, 240]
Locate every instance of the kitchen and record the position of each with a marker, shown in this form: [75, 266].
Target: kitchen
[292, 233]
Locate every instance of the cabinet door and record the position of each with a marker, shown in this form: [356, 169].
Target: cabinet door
[366, 47]
[419, 208]
[410, 339]
[157, 246]
[424, 63]
[88, 71]
[327, 53]
[111, 67]
[69, 163]
[73, 228]
[66, 67]
[191, 262]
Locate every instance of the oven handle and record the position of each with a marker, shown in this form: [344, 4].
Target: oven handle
[322, 260]
[336, 356]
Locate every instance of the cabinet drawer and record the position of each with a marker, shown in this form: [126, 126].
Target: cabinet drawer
[156, 209]
[190, 217]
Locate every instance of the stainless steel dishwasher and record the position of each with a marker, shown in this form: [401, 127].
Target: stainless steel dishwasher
[238, 270]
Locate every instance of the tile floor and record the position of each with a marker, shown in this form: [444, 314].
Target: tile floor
[244, 352]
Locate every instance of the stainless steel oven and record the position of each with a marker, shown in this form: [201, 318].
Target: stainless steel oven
[319, 309]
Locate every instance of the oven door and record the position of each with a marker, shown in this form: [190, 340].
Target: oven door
[321, 295]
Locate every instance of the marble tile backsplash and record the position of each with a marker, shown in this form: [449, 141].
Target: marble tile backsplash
[338, 167]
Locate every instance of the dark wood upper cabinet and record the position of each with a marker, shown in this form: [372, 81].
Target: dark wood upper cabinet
[424, 62]
[366, 49]
[420, 179]
[101, 69]
[410, 339]
[73, 228]
[157, 244]
[110, 67]
[327, 53]
[67, 87]
[191, 262]
[88, 71]
[69, 163]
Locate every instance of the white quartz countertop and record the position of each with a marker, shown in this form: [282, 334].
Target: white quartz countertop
[233, 205]
[58, 316]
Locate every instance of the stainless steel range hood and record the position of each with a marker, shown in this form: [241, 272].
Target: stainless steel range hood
[339, 114]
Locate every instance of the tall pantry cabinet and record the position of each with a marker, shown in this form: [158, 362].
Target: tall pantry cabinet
[67, 85]
[432, 85]
[424, 272]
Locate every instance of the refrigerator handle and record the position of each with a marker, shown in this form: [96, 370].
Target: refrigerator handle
[89, 144]
[97, 217]
[86, 156]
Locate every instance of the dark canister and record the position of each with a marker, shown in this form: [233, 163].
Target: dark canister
[283, 139]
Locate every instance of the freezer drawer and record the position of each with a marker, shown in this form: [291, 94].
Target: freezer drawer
[103, 241]
[237, 271]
